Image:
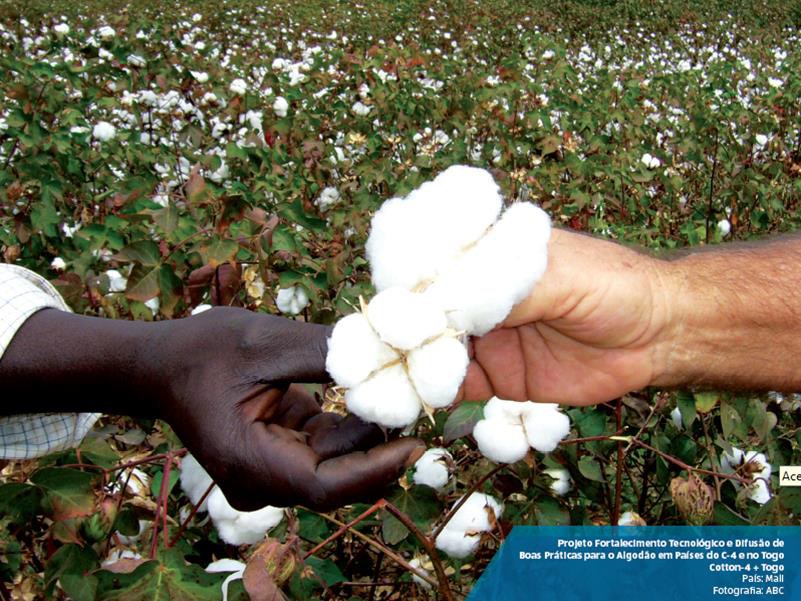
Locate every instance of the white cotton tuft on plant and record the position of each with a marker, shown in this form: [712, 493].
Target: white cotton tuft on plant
[281, 107]
[479, 290]
[355, 351]
[437, 370]
[631, 518]
[236, 569]
[104, 131]
[561, 481]
[291, 300]
[545, 425]
[195, 481]
[241, 527]
[419, 572]
[432, 469]
[510, 428]
[675, 417]
[462, 534]
[403, 319]
[386, 398]
[501, 441]
[753, 465]
[413, 238]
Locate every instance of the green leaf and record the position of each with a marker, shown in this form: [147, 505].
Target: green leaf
[723, 516]
[155, 483]
[590, 422]
[79, 587]
[220, 251]
[461, 420]
[420, 503]
[171, 579]
[729, 419]
[70, 559]
[68, 492]
[327, 570]
[143, 283]
[20, 502]
[590, 469]
[549, 512]
[311, 526]
[687, 406]
[99, 452]
[706, 401]
[144, 252]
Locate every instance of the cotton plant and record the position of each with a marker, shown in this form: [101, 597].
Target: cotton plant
[405, 351]
[751, 465]
[234, 527]
[461, 536]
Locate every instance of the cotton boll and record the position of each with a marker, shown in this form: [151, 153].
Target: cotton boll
[412, 239]
[501, 441]
[355, 351]
[631, 518]
[545, 425]
[194, 481]
[457, 543]
[508, 411]
[104, 131]
[116, 282]
[675, 417]
[481, 288]
[404, 319]
[387, 399]
[437, 370]
[474, 514]
[219, 508]
[241, 527]
[759, 492]
[724, 227]
[561, 483]
[58, 264]
[291, 300]
[261, 520]
[432, 468]
[238, 86]
[417, 564]
[280, 107]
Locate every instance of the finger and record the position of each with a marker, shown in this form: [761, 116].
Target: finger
[334, 435]
[297, 407]
[285, 350]
[362, 476]
[476, 385]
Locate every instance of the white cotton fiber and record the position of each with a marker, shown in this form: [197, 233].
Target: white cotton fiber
[387, 399]
[473, 515]
[432, 468]
[241, 527]
[355, 351]
[500, 441]
[404, 319]
[194, 481]
[545, 425]
[561, 482]
[413, 238]
[457, 543]
[437, 370]
[479, 290]
[508, 411]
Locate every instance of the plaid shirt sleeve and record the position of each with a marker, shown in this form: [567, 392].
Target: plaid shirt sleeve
[23, 293]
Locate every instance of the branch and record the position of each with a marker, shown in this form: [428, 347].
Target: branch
[463, 500]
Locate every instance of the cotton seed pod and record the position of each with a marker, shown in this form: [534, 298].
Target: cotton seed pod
[404, 320]
[433, 468]
[386, 398]
[437, 370]
[545, 425]
[355, 351]
[694, 499]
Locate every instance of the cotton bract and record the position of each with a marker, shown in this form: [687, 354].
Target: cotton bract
[432, 468]
[462, 534]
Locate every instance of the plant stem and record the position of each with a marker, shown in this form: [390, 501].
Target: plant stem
[378, 546]
[619, 468]
[428, 544]
[188, 519]
[689, 468]
[365, 514]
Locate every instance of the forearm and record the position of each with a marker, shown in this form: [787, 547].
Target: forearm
[59, 362]
[734, 318]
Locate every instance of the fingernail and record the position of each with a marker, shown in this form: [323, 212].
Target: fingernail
[415, 455]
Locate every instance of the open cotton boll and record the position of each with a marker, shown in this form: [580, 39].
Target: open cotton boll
[510, 259]
[473, 515]
[507, 411]
[387, 399]
[412, 239]
[432, 468]
[291, 300]
[355, 351]
[404, 319]
[501, 441]
[236, 569]
[457, 543]
[241, 527]
[631, 518]
[437, 370]
[759, 492]
[419, 570]
[194, 481]
[561, 483]
[545, 425]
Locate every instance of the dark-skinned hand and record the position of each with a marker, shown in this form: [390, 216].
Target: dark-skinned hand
[223, 381]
